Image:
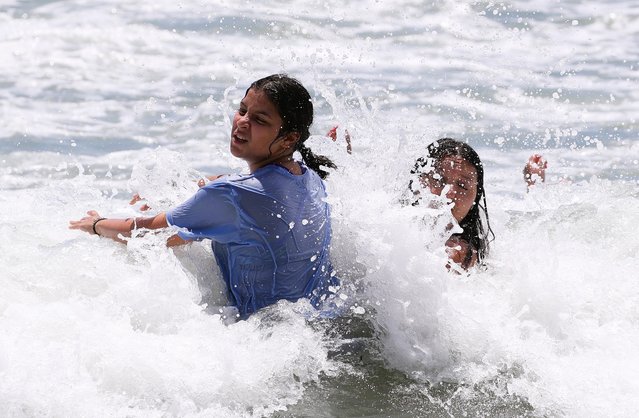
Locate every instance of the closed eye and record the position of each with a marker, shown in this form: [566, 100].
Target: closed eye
[432, 179]
[258, 119]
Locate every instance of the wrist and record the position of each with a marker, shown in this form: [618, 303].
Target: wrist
[95, 223]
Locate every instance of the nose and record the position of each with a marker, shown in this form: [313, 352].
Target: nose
[241, 120]
[453, 194]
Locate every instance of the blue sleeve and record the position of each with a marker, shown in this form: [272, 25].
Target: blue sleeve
[210, 213]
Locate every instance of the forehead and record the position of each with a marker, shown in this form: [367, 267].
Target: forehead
[258, 101]
[457, 166]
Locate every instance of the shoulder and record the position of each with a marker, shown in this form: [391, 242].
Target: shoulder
[275, 176]
[232, 183]
[245, 188]
[312, 178]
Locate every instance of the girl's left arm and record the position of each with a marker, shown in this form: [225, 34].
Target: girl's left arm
[458, 251]
[115, 229]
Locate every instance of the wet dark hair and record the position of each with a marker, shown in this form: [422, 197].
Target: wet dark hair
[293, 102]
[475, 232]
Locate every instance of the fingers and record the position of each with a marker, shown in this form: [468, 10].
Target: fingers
[135, 199]
[535, 169]
[536, 160]
[77, 225]
[86, 223]
[332, 133]
[81, 224]
[349, 147]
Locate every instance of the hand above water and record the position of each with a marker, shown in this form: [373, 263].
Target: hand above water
[87, 223]
[137, 198]
[535, 169]
[332, 133]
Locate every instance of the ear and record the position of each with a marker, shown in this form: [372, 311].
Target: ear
[290, 139]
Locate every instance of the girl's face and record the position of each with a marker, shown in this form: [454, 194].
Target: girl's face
[256, 125]
[458, 178]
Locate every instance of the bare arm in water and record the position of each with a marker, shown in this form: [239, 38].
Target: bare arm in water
[117, 229]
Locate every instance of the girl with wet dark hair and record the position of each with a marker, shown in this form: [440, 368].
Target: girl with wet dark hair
[294, 103]
[270, 229]
[454, 168]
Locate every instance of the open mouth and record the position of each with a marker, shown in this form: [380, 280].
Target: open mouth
[239, 139]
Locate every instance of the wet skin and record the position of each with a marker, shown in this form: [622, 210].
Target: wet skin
[458, 179]
[255, 135]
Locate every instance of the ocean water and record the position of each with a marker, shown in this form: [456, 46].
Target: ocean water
[102, 99]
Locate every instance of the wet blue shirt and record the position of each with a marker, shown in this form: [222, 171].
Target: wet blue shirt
[270, 233]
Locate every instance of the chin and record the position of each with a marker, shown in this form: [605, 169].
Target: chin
[234, 151]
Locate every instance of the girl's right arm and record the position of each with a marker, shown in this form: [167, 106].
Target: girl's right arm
[117, 229]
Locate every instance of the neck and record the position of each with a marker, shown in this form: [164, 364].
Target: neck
[285, 161]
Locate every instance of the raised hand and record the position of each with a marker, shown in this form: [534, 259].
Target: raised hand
[535, 169]
[332, 133]
[137, 198]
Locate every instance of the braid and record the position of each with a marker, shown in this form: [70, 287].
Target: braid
[313, 161]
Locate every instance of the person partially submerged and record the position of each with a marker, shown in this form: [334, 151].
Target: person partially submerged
[270, 230]
[453, 169]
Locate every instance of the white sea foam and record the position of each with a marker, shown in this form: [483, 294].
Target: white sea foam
[553, 318]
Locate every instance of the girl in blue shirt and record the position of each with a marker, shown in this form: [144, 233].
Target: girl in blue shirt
[270, 229]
